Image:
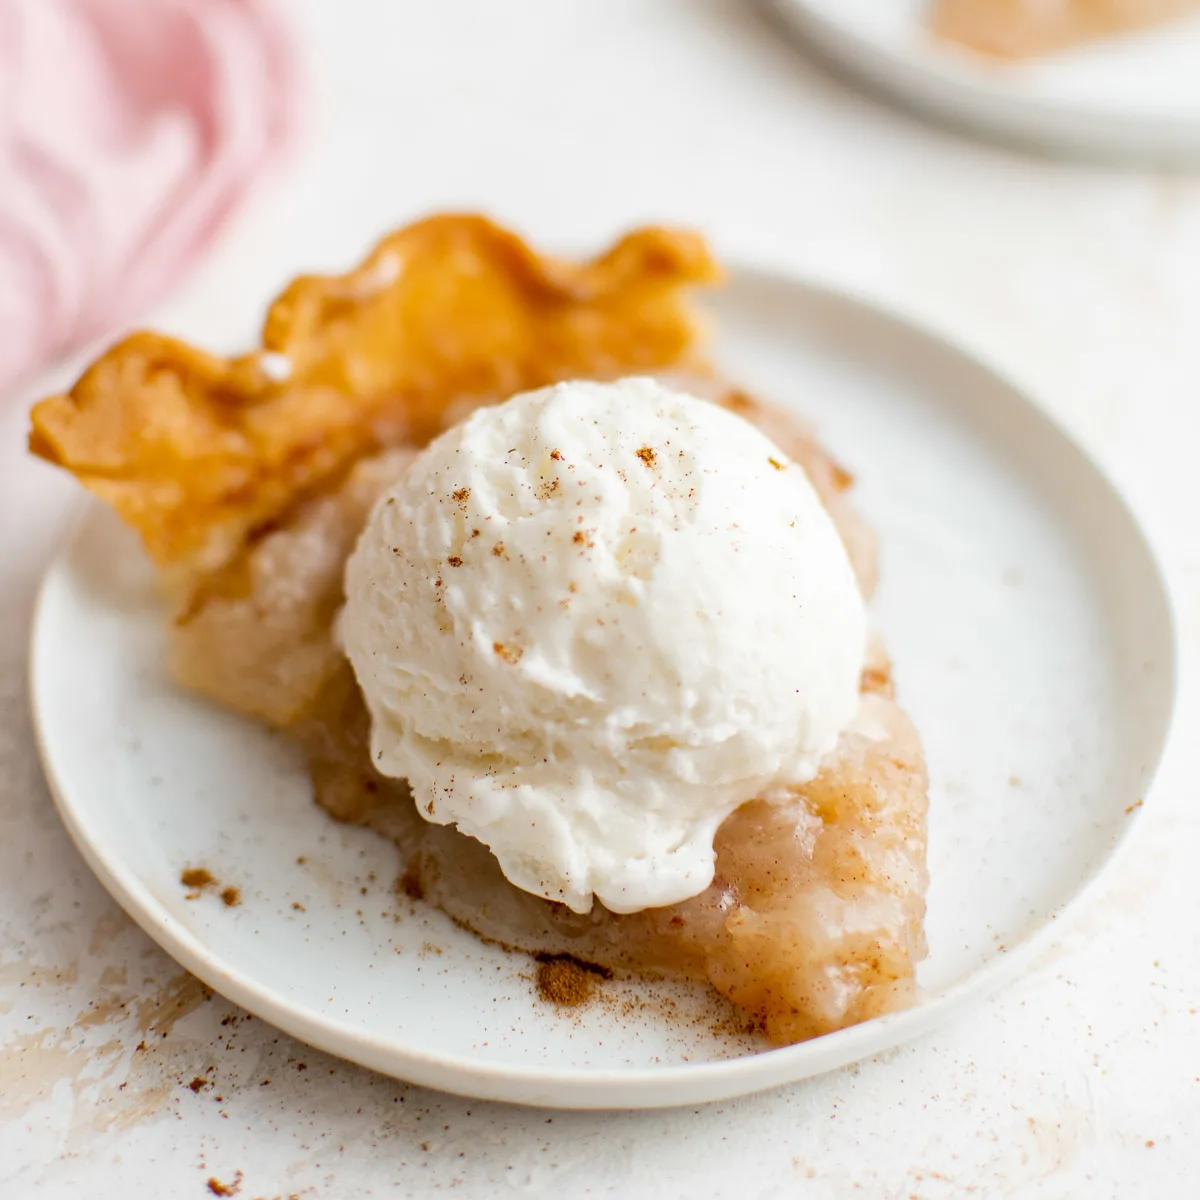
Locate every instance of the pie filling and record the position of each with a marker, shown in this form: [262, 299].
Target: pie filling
[1016, 29]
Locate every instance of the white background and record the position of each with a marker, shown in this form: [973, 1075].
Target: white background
[573, 120]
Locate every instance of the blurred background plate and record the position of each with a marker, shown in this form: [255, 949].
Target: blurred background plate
[1033, 646]
[1135, 97]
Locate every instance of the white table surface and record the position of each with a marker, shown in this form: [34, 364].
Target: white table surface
[572, 121]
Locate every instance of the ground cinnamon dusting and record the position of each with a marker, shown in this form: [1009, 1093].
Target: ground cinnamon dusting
[232, 897]
[225, 1189]
[647, 456]
[197, 877]
[510, 654]
[874, 679]
[410, 883]
[566, 980]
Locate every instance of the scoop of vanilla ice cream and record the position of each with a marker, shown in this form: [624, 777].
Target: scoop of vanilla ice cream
[591, 622]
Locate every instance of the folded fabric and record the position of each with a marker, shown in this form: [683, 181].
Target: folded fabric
[129, 130]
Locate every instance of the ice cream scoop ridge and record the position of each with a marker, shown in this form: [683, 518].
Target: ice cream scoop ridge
[592, 621]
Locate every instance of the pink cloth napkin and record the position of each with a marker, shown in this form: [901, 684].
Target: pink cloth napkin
[129, 129]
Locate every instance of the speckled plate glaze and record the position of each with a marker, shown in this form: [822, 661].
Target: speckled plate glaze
[1134, 97]
[1033, 646]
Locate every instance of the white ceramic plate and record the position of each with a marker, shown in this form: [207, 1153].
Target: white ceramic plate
[1134, 97]
[1034, 648]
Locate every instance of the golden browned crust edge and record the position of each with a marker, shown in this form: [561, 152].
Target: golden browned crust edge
[196, 451]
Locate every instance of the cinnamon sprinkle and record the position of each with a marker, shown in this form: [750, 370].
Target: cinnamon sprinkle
[875, 679]
[510, 654]
[410, 882]
[567, 981]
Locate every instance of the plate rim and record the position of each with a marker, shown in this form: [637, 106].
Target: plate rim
[951, 93]
[634, 1087]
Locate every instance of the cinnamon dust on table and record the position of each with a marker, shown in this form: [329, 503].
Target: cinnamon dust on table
[567, 981]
